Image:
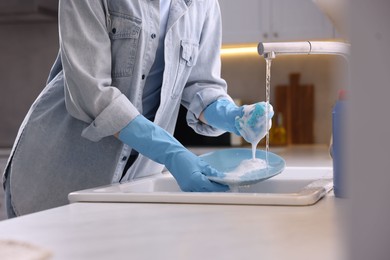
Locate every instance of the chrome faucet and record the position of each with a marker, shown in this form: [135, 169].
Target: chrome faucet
[271, 49]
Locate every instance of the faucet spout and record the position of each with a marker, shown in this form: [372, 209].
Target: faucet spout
[308, 47]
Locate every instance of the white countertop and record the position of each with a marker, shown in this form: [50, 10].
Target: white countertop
[183, 231]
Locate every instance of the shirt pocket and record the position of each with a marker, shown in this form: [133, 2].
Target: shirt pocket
[124, 33]
[188, 57]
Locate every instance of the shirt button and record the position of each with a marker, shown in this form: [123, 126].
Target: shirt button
[153, 35]
[124, 158]
[143, 76]
[113, 30]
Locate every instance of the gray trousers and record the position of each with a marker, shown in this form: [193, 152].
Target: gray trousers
[8, 202]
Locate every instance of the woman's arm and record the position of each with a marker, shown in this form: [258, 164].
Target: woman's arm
[205, 84]
[86, 58]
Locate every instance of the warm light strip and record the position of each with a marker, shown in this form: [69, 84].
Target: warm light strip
[238, 50]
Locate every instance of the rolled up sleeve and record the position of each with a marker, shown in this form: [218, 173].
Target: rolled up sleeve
[86, 59]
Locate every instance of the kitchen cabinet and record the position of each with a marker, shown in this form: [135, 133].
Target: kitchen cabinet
[252, 21]
[242, 21]
[16, 6]
[27, 11]
[26, 6]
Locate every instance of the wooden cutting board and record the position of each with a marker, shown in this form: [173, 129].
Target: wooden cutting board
[296, 103]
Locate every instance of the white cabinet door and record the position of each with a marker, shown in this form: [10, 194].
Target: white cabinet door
[298, 20]
[242, 21]
[252, 21]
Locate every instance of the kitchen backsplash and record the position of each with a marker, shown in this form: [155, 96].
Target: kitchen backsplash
[245, 75]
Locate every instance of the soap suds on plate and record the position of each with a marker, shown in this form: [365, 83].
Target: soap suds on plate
[245, 167]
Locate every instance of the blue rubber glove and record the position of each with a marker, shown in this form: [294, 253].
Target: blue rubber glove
[152, 141]
[247, 121]
[222, 114]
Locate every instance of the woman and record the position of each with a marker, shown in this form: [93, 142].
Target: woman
[112, 98]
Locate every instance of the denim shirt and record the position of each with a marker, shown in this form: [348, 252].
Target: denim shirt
[95, 88]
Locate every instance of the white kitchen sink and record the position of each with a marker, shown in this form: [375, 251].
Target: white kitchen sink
[294, 186]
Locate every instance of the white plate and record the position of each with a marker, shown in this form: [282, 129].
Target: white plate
[227, 160]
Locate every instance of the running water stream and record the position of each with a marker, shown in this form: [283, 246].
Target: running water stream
[267, 119]
[253, 164]
[267, 98]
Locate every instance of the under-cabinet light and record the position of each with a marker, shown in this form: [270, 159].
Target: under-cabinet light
[237, 50]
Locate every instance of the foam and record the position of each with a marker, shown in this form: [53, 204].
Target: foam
[245, 167]
[250, 127]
